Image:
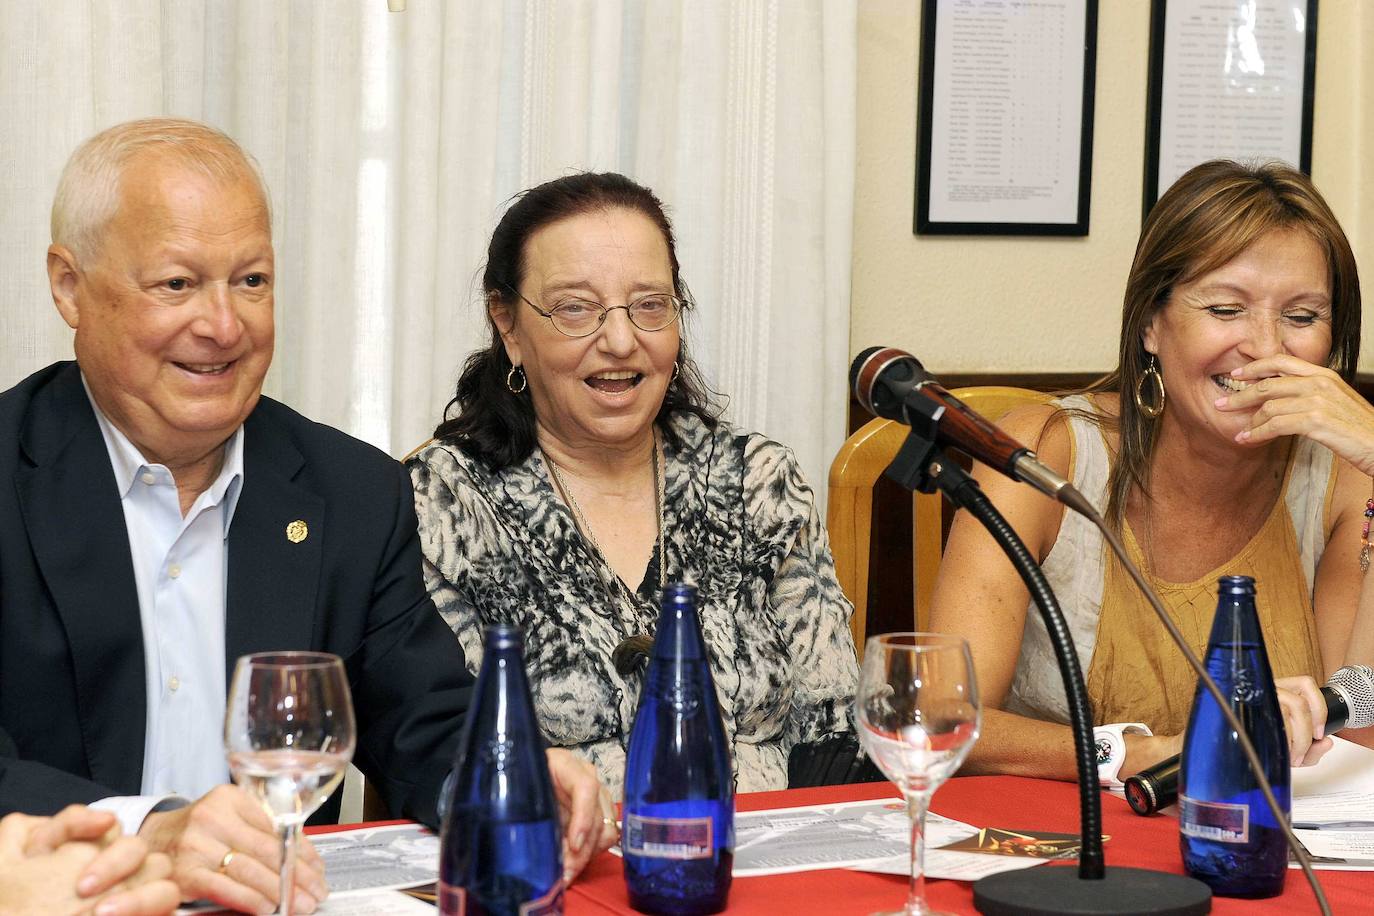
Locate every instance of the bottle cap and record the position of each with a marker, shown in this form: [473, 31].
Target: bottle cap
[503, 636]
[1235, 585]
[679, 593]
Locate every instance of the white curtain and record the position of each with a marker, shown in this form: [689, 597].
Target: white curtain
[390, 141]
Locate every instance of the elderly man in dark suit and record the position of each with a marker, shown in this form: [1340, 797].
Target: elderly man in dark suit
[159, 518]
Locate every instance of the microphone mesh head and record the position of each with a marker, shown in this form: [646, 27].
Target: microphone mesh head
[1357, 683]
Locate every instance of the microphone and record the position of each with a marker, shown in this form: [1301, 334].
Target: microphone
[1349, 696]
[885, 380]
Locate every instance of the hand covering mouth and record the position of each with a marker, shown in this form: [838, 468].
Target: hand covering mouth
[614, 382]
[1232, 384]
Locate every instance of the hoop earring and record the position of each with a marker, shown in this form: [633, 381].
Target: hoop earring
[1155, 406]
[510, 380]
[677, 370]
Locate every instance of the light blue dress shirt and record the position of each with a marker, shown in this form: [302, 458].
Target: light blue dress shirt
[180, 567]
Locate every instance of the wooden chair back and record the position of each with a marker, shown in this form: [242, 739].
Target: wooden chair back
[849, 516]
[417, 449]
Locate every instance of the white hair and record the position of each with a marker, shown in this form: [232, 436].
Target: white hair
[88, 191]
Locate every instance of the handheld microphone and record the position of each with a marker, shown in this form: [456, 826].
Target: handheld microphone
[1349, 696]
[885, 379]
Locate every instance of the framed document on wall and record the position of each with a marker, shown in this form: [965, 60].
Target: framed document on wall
[1006, 116]
[1229, 80]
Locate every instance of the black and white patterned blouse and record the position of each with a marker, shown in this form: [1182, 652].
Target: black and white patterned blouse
[740, 524]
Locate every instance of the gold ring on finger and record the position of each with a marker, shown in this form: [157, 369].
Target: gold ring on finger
[224, 862]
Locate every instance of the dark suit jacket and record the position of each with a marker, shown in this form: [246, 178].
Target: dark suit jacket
[72, 701]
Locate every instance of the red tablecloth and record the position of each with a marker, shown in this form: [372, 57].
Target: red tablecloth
[987, 801]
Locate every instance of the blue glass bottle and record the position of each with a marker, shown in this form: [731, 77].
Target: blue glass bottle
[1227, 834]
[679, 830]
[501, 850]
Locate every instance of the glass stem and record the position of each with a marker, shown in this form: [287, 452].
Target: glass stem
[916, 804]
[288, 870]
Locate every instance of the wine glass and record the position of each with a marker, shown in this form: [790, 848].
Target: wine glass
[917, 715]
[289, 734]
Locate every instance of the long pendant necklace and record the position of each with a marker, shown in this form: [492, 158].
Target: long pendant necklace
[586, 530]
[635, 646]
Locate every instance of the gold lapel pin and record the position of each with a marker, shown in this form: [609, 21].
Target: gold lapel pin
[297, 531]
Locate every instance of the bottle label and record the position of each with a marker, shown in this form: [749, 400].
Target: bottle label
[1221, 822]
[669, 837]
[453, 901]
[551, 904]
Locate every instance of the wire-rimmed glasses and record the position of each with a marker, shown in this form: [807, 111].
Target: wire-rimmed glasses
[574, 317]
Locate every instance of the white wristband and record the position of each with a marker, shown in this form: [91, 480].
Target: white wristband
[1111, 749]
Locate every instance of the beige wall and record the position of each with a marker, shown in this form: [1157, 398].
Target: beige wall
[983, 304]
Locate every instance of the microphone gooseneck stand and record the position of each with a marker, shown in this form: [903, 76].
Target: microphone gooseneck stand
[1093, 888]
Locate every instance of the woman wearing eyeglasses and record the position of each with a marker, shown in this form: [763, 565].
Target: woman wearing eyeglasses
[581, 466]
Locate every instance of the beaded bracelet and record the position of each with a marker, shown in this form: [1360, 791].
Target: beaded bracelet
[1364, 534]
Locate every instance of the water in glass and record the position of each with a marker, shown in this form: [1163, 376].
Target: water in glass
[289, 733]
[917, 715]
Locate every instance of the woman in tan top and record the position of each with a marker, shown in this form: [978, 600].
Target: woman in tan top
[1227, 441]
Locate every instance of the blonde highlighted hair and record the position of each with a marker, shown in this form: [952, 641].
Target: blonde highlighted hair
[88, 190]
[1210, 215]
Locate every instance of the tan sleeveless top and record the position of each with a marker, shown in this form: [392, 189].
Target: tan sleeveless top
[1134, 672]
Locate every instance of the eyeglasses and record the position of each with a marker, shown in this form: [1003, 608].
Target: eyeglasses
[582, 317]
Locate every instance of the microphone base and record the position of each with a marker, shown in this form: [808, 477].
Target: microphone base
[1054, 889]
